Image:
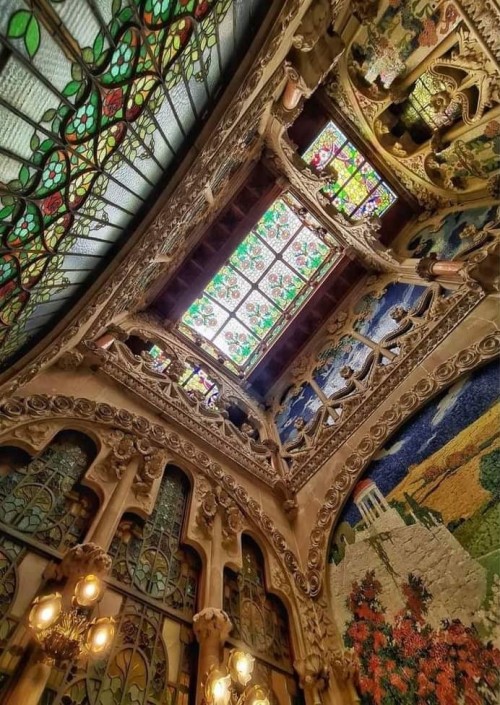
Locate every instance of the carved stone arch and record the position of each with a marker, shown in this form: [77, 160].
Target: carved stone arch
[408, 404]
[19, 409]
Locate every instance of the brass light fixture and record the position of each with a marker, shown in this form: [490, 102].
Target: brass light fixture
[65, 635]
[231, 685]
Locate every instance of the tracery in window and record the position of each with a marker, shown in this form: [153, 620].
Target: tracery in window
[137, 669]
[265, 282]
[194, 379]
[148, 555]
[359, 190]
[42, 497]
[259, 620]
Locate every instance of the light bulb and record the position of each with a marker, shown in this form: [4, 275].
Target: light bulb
[88, 590]
[217, 688]
[240, 666]
[45, 611]
[100, 635]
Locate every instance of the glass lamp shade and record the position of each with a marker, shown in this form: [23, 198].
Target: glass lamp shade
[240, 666]
[88, 591]
[45, 611]
[218, 688]
[100, 635]
[257, 695]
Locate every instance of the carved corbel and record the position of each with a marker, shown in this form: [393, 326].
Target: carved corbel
[288, 499]
[483, 268]
[70, 360]
[82, 559]
[122, 450]
[216, 501]
[151, 469]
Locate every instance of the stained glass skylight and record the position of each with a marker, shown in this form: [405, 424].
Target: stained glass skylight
[359, 190]
[265, 282]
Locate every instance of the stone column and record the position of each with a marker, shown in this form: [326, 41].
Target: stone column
[211, 627]
[102, 533]
[32, 681]
[430, 268]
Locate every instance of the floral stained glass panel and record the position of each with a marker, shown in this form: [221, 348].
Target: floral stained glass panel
[358, 190]
[99, 102]
[269, 276]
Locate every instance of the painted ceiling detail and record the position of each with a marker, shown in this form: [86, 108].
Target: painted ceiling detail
[358, 191]
[267, 280]
[98, 102]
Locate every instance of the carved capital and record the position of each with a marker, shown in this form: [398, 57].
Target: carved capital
[82, 559]
[313, 671]
[117, 332]
[215, 501]
[483, 268]
[211, 623]
[70, 360]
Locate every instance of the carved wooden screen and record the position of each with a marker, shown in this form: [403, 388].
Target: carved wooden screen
[11, 554]
[259, 620]
[149, 557]
[42, 497]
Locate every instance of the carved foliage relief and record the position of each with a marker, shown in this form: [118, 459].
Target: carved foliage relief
[413, 573]
[424, 88]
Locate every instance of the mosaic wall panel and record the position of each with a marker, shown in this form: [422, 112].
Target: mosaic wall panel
[453, 236]
[414, 572]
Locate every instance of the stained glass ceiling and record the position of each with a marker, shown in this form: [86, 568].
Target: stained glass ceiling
[359, 191]
[266, 281]
[98, 103]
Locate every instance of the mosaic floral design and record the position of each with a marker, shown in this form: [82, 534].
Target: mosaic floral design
[109, 99]
[359, 191]
[266, 280]
[414, 559]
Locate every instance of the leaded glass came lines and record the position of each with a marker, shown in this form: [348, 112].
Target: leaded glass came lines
[359, 190]
[137, 670]
[195, 381]
[150, 559]
[98, 102]
[40, 497]
[259, 620]
[265, 282]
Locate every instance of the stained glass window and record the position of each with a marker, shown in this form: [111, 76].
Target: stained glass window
[98, 102]
[429, 102]
[137, 669]
[41, 497]
[194, 380]
[150, 559]
[265, 282]
[259, 620]
[359, 190]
